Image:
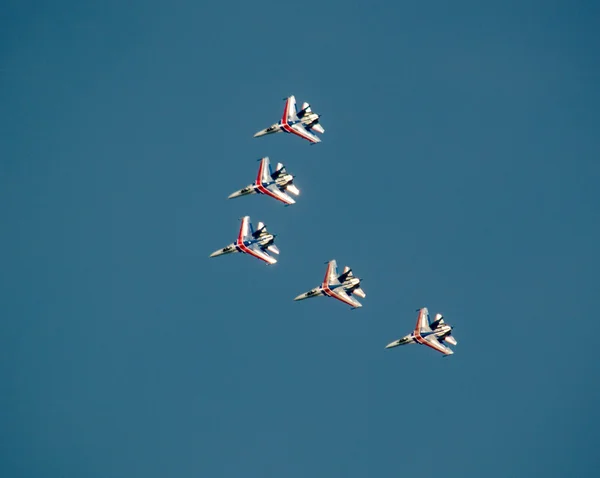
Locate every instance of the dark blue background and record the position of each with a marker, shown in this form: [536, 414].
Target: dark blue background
[459, 171]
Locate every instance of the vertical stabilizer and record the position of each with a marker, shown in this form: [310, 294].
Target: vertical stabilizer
[439, 320]
[345, 275]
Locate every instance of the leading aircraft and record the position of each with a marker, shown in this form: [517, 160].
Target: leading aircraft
[272, 183]
[342, 287]
[432, 334]
[256, 243]
[302, 123]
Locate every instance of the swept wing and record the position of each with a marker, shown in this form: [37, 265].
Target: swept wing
[300, 130]
[331, 280]
[290, 114]
[291, 123]
[254, 249]
[433, 342]
[422, 327]
[264, 177]
[422, 321]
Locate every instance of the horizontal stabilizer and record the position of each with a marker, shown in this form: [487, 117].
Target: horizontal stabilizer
[318, 128]
[292, 189]
[451, 340]
[273, 248]
[359, 292]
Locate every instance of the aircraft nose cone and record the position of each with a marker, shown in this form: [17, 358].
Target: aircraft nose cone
[300, 297]
[218, 252]
[393, 344]
[234, 195]
[262, 132]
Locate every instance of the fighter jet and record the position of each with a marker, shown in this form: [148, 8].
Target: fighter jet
[302, 123]
[256, 243]
[431, 334]
[341, 287]
[271, 183]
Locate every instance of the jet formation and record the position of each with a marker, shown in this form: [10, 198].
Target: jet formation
[259, 243]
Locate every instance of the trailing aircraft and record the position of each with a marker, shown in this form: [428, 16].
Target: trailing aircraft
[256, 243]
[432, 334]
[271, 183]
[342, 287]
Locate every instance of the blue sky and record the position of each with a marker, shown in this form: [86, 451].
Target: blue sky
[458, 171]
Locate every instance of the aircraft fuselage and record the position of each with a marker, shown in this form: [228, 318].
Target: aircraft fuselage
[348, 285]
[263, 241]
[443, 330]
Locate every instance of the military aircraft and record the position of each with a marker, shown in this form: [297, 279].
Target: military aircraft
[272, 183]
[256, 243]
[302, 123]
[431, 334]
[341, 287]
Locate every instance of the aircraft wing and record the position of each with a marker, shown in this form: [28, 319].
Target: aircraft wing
[340, 294]
[256, 251]
[434, 343]
[300, 130]
[331, 275]
[289, 111]
[273, 191]
[264, 174]
[423, 321]
[245, 230]
[263, 177]
[331, 279]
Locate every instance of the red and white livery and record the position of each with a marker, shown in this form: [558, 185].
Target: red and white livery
[434, 334]
[257, 243]
[275, 184]
[303, 123]
[342, 287]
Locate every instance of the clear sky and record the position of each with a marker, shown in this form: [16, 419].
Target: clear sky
[459, 171]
